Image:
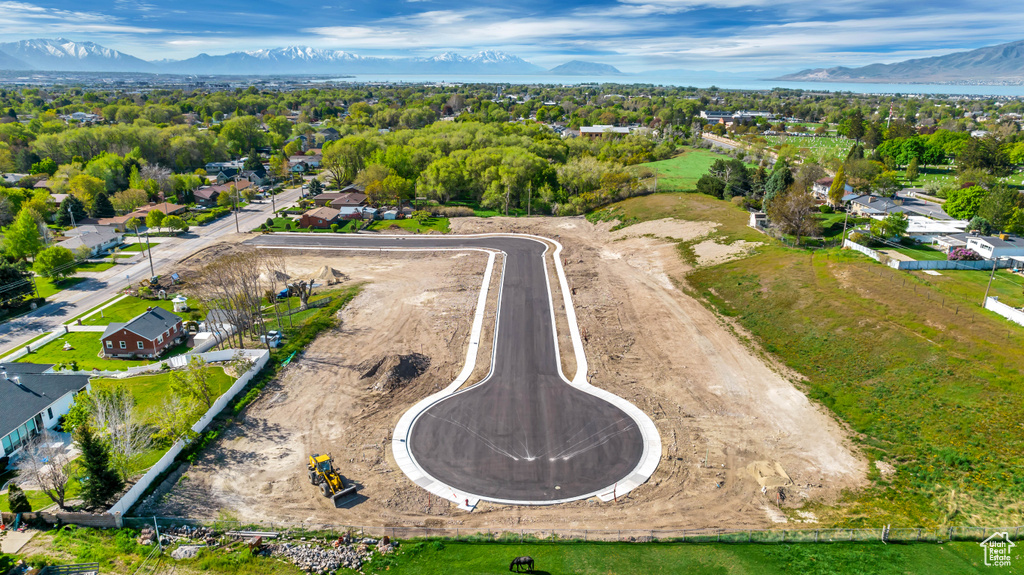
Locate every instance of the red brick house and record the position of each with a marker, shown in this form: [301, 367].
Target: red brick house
[147, 335]
[319, 218]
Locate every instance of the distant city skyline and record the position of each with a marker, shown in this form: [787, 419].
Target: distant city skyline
[634, 35]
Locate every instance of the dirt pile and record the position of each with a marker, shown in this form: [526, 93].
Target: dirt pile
[392, 372]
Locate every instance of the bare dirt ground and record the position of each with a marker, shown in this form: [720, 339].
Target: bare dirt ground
[712, 397]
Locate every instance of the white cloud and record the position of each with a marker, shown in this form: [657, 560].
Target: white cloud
[21, 16]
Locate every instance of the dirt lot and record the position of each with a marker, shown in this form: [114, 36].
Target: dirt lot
[711, 396]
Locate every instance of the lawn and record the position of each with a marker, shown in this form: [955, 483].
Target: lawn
[49, 288]
[117, 551]
[969, 285]
[86, 347]
[140, 247]
[423, 558]
[150, 390]
[94, 266]
[817, 147]
[683, 171]
[415, 226]
[130, 307]
[923, 253]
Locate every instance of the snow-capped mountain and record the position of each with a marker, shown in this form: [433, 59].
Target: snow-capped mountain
[66, 55]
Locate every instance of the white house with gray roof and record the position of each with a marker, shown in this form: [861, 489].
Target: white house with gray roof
[33, 400]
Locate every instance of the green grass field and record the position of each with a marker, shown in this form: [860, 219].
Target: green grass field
[828, 146]
[150, 390]
[923, 253]
[968, 286]
[117, 552]
[928, 380]
[93, 266]
[682, 172]
[137, 247]
[130, 307]
[49, 288]
[415, 226]
[86, 347]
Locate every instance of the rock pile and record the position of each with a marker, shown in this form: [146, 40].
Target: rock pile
[186, 552]
[320, 560]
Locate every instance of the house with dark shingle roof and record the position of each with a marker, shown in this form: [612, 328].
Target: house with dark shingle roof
[33, 400]
[147, 335]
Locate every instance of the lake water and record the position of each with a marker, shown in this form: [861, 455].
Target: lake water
[704, 80]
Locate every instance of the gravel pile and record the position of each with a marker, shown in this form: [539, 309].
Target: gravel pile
[320, 560]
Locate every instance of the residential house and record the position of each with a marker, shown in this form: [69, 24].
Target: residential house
[207, 196]
[328, 135]
[225, 175]
[869, 205]
[147, 335]
[311, 160]
[927, 230]
[1001, 246]
[43, 185]
[168, 209]
[33, 400]
[299, 167]
[319, 218]
[97, 238]
[950, 242]
[821, 187]
[258, 177]
[340, 200]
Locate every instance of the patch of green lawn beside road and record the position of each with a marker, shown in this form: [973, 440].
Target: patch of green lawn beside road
[93, 266]
[130, 307]
[49, 288]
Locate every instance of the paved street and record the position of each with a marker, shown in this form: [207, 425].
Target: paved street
[102, 286]
[524, 433]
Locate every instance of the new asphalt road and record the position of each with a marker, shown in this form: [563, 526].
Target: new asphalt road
[523, 433]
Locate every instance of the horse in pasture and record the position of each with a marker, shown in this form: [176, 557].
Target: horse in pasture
[520, 562]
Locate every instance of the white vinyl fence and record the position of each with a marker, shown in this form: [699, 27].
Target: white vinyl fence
[1013, 314]
[259, 358]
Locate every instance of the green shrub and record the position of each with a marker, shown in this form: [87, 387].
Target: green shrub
[826, 209]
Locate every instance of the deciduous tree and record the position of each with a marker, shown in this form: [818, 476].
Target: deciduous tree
[55, 262]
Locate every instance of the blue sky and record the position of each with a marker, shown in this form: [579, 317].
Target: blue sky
[635, 35]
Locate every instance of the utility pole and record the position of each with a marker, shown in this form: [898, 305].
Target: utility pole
[72, 214]
[149, 248]
[529, 199]
[990, 278]
[845, 219]
[236, 205]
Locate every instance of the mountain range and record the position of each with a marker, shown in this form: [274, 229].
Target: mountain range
[1001, 64]
[65, 55]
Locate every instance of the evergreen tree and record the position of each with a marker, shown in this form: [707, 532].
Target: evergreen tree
[69, 206]
[101, 482]
[838, 189]
[912, 170]
[17, 502]
[101, 207]
[253, 161]
[777, 184]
